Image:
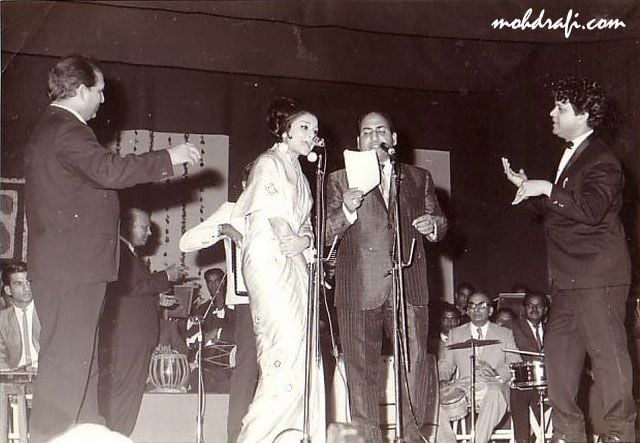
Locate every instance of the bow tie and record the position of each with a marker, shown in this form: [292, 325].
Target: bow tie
[568, 145]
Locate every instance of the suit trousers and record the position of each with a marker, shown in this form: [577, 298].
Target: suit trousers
[519, 404]
[490, 412]
[361, 338]
[244, 376]
[66, 388]
[123, 379]
[589, 321]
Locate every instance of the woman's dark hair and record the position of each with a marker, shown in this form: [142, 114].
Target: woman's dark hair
[282, 112]
[585, 95]
[69, 73]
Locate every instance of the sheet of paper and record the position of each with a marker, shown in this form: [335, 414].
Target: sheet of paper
[362, 169]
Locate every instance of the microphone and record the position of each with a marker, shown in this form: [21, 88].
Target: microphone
[391, 150]
[318, 142]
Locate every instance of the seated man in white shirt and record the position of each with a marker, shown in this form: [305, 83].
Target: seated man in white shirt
[492, 368]
[19, 324]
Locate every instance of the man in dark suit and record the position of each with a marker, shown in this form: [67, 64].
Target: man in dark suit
[492, 373]
[528, 333]
[588, 263]
[129, 325]
[363, 264]
[19, 323]
[72, 217]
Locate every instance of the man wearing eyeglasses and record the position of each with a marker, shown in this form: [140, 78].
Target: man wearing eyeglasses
[491, 369]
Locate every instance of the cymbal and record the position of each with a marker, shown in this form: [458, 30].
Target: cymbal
[472, 341]
[517, 351]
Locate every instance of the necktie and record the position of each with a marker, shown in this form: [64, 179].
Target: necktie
[479, 330]
[538, 338]
[384, 186]
[26, 343]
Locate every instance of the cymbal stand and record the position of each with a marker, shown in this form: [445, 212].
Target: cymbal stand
[542, 422]
[472, 390]
[400, 346]
[316, 280]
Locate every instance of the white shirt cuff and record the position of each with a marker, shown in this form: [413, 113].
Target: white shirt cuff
[350, 216]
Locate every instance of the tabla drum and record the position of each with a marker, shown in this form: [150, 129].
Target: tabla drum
[528, 375]
[169, 370]
[454, 402]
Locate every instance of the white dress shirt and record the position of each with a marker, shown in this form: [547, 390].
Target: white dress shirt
[32, 349]
[568, 153]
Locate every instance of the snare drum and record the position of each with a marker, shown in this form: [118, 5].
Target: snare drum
[528, 375]
[454, 402]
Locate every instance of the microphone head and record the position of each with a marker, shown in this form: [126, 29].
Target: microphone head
[312, 157]
[318, 141]
[388, 149]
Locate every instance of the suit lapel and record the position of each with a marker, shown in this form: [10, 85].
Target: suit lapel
[573, 158]
[35, 328]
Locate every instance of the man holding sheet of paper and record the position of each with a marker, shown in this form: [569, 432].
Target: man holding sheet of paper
[358, 213]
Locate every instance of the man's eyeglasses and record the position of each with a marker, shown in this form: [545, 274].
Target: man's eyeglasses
[478, 306]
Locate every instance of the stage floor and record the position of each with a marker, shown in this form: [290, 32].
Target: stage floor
[171, 418]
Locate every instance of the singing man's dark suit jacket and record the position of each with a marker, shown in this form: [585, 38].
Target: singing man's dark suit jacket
[72, 203]
[11, 337]
[586, 246]
[130, 316]
[363, 259]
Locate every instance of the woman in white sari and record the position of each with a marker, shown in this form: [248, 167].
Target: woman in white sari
[278, 241]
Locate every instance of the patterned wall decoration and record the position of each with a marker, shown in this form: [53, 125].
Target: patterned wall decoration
[12, 222]
[184, 200]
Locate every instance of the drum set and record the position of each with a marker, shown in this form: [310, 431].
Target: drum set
[528, 375]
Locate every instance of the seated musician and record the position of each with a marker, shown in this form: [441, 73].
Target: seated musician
[505, 317]
[528, 333]
[448, 318]
[492, 369]
[211, 310]
[19, 324]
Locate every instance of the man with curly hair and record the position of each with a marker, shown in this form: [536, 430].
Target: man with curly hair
[589, 265]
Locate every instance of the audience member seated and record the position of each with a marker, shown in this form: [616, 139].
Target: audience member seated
[528, 333]
[449, 318]
[505, 317]
[19, 324]
[461, 298]
[492, 369]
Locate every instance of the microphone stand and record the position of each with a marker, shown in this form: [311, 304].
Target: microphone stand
[200, 417]
[200, 340]
[316, 274]
[400, 347]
